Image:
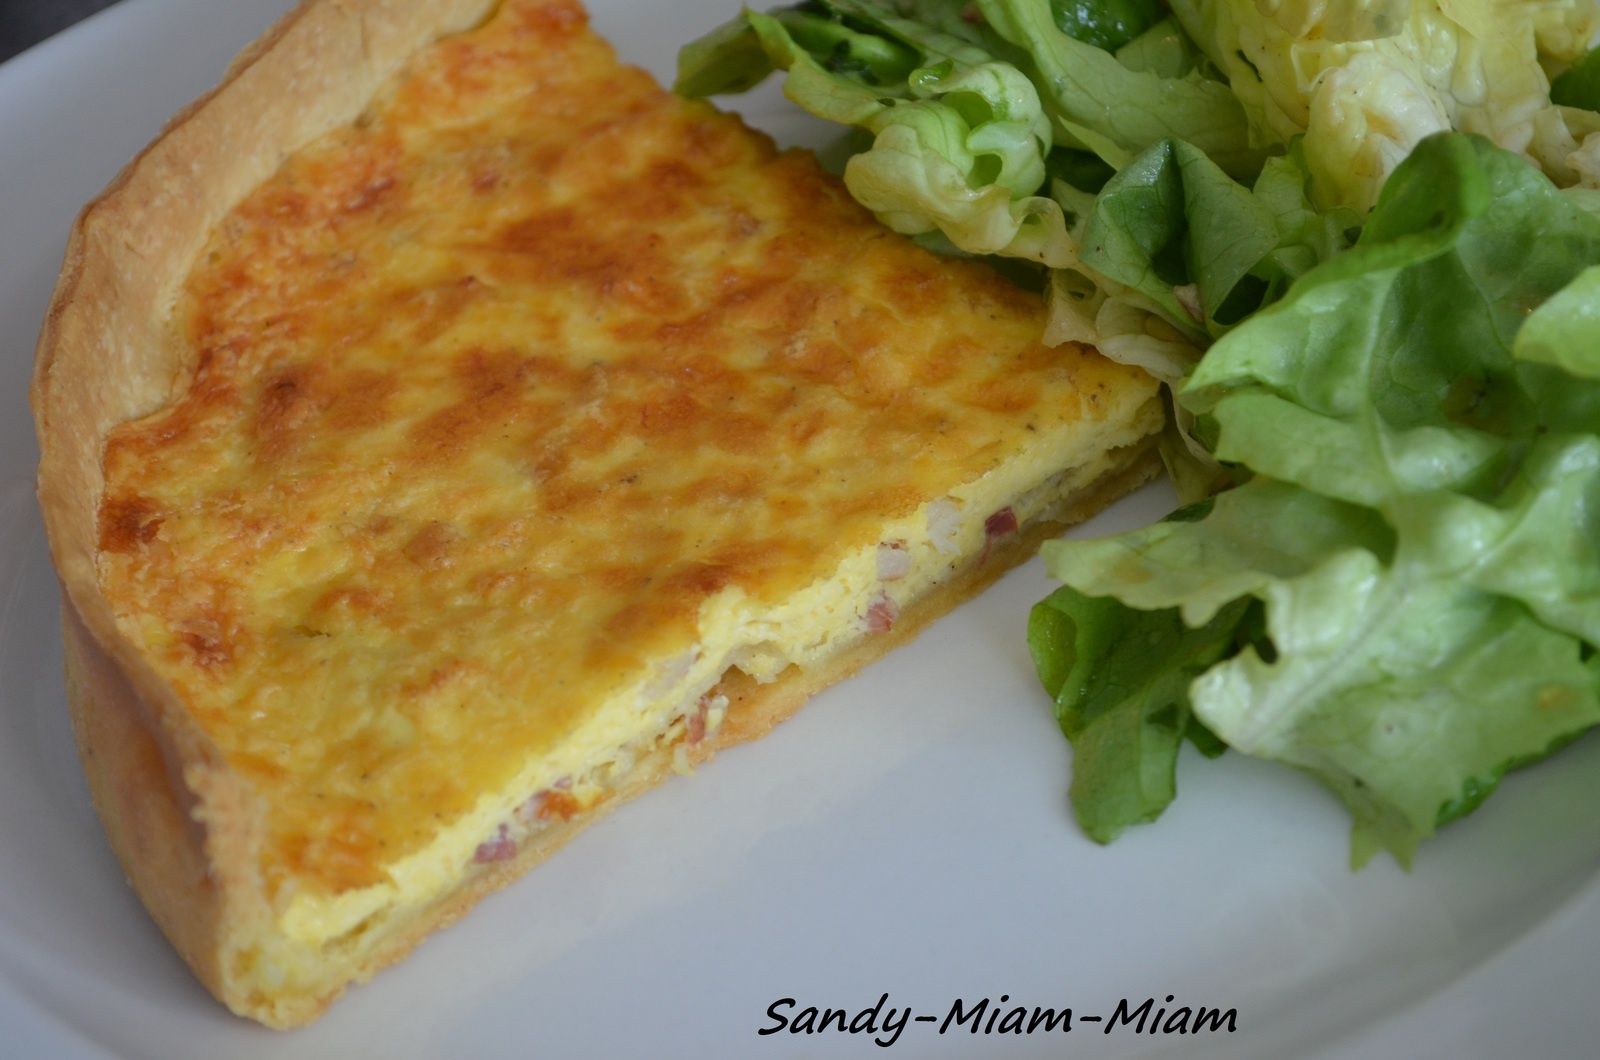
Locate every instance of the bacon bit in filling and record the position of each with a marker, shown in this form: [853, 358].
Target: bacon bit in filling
[694, 729]
[894, 562]
[882, 613]
[501, 848]
[1002, 523]
[701, 722]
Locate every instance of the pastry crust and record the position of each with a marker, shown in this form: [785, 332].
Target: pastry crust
[184, 826]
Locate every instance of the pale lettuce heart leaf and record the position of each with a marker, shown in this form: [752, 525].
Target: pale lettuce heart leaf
[1405, 691]
[1206, 555]
[1364, 81]
[1585, 199]
[1400, 676]
[959, 138]
[959, 158]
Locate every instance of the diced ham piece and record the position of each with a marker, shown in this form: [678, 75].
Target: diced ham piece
[695, 726]
[882, 613]
[1000, 524]
[501, 848]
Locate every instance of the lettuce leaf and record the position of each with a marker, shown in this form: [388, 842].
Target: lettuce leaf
[1365, 82]
[1391, 366]
[1164, 50]
[1420, 414]
[1382, 671]
[1579, 84]
[959, 138]
[1209, 554]
[1399, 688]
[1115, 110]
[1172, 236]
[1172, 218]
[1120, 682]
[1106, 24]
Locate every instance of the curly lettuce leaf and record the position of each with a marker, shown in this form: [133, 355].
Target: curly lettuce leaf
[959, 159]
[1112, 109]
[959, 138]
[1364, 82]
[1421, 415]
[1213, 552]
[1391, 366]
[1401, 689]
[1535, 543]
[1396, 675]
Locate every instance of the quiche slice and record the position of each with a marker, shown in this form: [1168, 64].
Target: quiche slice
[447, 434]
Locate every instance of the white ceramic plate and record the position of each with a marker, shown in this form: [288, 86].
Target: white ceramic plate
[907, 834]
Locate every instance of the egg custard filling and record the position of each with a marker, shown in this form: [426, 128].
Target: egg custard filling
[521, 414]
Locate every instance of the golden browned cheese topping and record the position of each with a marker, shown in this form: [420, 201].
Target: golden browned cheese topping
[492, 390]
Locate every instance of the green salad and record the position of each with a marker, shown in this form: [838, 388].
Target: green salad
[1360, 243]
